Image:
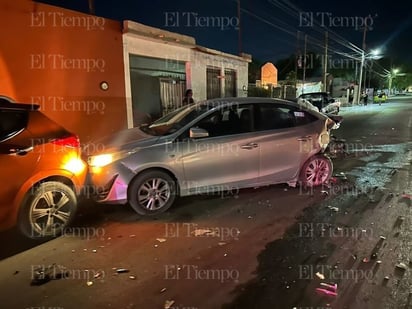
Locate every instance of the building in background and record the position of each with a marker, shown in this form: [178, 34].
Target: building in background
[95, 76]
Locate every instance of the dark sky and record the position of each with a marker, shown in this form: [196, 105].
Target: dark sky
[269, 28]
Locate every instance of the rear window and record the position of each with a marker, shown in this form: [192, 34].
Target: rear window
[12, 122]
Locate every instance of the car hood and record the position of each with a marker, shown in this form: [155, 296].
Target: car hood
[124, 140]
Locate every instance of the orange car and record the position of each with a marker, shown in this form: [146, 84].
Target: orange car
[41, 171]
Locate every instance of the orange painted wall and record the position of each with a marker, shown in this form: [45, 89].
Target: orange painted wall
[58, 58]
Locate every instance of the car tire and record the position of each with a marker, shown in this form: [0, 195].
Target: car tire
[47, 210]
[152, 193]
[316, 171]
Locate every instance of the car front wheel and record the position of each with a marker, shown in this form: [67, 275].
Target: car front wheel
[48, 209]
[316, 171]
[152, 192]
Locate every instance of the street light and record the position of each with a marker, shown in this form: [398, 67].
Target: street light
[374, 54]
[391, 76]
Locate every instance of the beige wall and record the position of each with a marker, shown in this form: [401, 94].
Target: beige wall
[152, 42]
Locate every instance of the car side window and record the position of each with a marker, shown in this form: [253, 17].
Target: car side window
[302, 117]
[11, 122]
[234, 119]
[273, 116]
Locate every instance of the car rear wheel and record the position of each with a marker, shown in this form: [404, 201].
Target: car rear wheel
[48, 209]
[152, 192]
[316, 171]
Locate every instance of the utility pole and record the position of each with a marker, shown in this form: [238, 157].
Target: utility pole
[297, 60]
[362, 64]
[304, 64]
[91, 7]
[239, 28]
[325, 64]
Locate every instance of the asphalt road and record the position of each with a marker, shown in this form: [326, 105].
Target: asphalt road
[269, 247]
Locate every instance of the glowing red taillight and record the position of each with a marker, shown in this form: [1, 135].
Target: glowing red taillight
[69, 141]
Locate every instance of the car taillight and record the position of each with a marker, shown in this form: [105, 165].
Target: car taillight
[69, 141]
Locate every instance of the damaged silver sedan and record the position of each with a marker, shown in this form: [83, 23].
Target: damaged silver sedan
[210, 146]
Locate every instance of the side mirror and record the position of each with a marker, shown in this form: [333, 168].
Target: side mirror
[198, 133]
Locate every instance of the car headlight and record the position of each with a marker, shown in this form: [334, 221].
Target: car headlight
[107, 158]
[100, 160]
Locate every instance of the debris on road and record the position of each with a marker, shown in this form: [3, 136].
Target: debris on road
[332, 287]
[89, 283]
[336, 209]
[204, 232]
[121, 270]
[169, 304]
[327, 292]
[407, 196]
[44, 274]
[161, 239]
[320, 275]
[401, 266]
[163, 290]
[98, 274]
[131, 277]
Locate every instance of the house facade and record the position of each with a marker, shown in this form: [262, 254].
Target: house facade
[96, 76]
[160, 65]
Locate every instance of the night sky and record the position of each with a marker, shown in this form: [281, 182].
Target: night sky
[269, 27]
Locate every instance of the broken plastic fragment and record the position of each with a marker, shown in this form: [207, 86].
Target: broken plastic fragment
[132, 277]
[202, 232]
[89, 283]
[401, 266]
[320, 275]
[163, 290]
[169, 303]
[122, 270]
[333, 208]
[161, 239]
[333, 287]
[98, 274]
[327, 292]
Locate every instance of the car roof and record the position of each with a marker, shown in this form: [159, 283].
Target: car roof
[7, 104]
[244, 100]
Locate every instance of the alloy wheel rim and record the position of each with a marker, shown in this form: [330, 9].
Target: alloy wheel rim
[317, 172]
[154, 193]
[50, 213]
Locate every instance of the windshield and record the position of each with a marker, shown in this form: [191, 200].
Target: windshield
[175, 120]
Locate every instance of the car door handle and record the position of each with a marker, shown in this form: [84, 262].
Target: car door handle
[249, 146]
[304, 138]
[20, 152]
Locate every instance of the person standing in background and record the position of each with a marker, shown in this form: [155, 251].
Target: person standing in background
[188, 97]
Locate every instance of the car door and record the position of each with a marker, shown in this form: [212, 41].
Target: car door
[225, 160]
[17, 158]
[284, 144]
